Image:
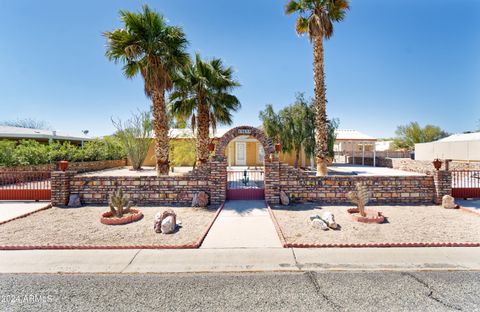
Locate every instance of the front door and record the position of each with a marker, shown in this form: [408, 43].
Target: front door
[241, 154]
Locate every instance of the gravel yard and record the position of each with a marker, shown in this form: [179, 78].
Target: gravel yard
[81, 227]
[404, 223]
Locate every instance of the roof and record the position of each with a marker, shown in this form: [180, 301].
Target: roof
[352, 135]
[7, 132]
[474, 136]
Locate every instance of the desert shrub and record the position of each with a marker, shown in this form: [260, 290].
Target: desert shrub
[6, 152]
[62, 151]
[30, 152]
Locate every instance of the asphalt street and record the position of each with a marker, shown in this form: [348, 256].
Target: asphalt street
[299, 291]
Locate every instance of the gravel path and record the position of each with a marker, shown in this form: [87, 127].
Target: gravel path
[81, 226]
[404, 224]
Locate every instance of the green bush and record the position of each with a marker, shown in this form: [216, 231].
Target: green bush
[182, 152]
[31, 152]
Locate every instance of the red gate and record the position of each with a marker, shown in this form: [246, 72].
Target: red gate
[25, 185]
[466, 183]
[245, 184]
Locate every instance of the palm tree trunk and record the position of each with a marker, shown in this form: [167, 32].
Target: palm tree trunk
[321, 133]
[160, 128]
[203, 135]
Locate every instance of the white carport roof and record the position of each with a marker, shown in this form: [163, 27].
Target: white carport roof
[474, 136]
[7, 132]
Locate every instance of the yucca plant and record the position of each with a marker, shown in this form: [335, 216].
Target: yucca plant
[360, 197]
[119, 204]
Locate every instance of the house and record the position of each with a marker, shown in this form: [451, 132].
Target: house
[461, 147]
[247, 151]
[43, 136]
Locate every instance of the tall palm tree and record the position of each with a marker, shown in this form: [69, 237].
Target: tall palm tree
[316, 19]
[203, 93]
[148, 46]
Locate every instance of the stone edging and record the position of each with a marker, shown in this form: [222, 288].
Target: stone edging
[475, 212]
[56, 247]
[285, 244]
[27, 214]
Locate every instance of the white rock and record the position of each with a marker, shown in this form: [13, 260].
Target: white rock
[329, 218]
[318, 223]
[284, 199]
[448, 202]
[168, 225]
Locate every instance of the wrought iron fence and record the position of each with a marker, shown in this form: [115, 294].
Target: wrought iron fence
[466, 183]
[245, 179]
[25, 185]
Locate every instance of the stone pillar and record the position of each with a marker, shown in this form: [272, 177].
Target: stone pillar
[272, 179]
[443, 184]
[217, 181]
[60, 184]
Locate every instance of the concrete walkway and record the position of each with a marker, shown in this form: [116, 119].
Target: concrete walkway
[239, 260]
[243, 224]
[12, 209]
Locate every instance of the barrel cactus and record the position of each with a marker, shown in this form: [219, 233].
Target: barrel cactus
[360, 197]
[119, 204]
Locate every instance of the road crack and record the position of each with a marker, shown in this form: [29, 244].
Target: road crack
[313, 279]
[431, 291]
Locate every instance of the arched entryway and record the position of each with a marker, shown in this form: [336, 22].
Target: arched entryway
[242, 180]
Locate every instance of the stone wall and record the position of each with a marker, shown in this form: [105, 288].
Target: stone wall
[420, 166]
[84, 166]
[333, 189]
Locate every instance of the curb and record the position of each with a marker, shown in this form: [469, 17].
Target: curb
[72, 247]
[27, 214]
[285, 244]
[470, 210]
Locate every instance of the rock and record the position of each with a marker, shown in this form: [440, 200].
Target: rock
[318, 223]
[329, 219]
[448, 202]
[200, 199]
[74, 201]
[162, 226]
[168, 225]
[284, 199]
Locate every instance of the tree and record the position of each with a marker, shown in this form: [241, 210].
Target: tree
[316, 19]
[134, 135]
[294, 127]
[202, 93]
[148, 46]
[412, 133]
[29, 123]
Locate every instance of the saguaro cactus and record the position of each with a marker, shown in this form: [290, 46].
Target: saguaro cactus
[119, 204]
[360, 197]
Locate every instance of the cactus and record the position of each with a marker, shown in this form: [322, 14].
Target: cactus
[119, 204]
[360, 197]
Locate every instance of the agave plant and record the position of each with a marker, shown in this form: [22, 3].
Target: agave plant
[360, 197]
[119, 204]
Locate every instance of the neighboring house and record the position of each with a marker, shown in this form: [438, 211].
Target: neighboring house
[462, 147]
[43, 136]
[247, 151]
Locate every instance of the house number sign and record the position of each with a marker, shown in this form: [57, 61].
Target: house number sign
[244, 131]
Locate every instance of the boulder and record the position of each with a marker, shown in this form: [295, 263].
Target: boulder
[74, 201]
[168, 225]
[318, 223]
[448, 202]
[162, 226]
[200, 199]
[329, 219]
[284, 199]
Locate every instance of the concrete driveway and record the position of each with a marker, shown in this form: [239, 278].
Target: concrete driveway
[12, 209]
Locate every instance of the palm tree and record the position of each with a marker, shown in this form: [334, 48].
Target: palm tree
[203, 93]
[148, 46]
[316, 19]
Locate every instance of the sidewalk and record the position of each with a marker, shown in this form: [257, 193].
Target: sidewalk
[242, 224]
[12, 209]
[238, 260]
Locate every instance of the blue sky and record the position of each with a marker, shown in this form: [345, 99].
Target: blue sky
[389, 63]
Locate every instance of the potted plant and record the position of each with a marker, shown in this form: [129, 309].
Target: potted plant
[437, 163]
[360, 197]
[211, 146]
[63, 165]
[120, 210]
[278, 147]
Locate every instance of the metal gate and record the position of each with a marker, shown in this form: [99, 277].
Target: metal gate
[25, 185]
[466, 183]
[245, 184]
